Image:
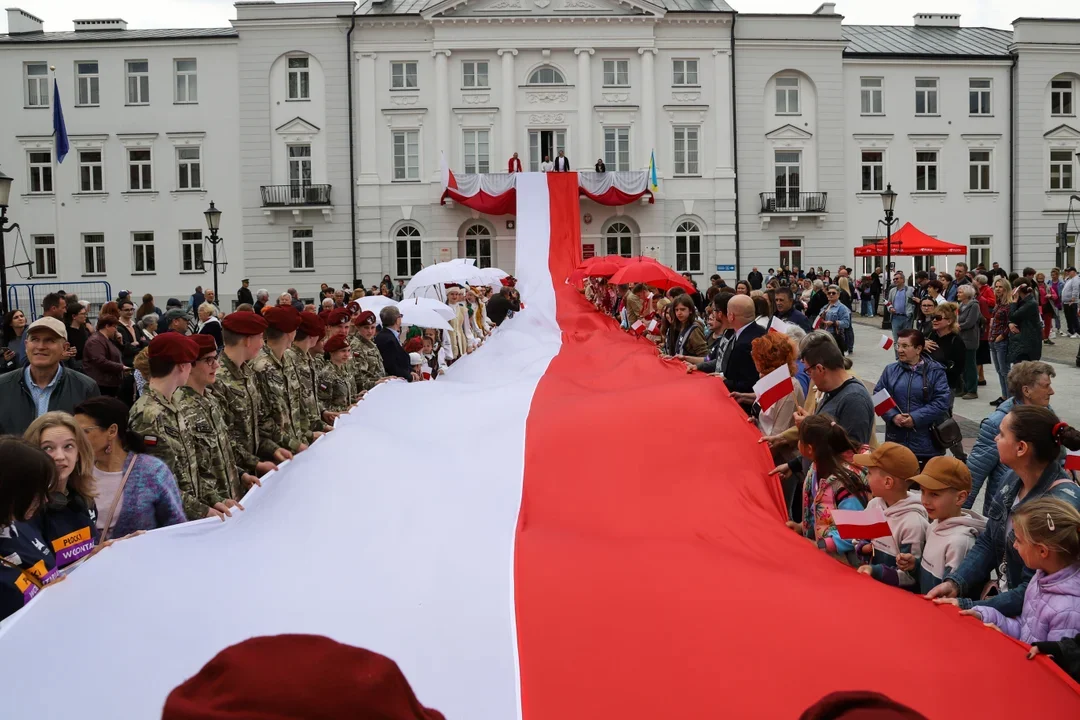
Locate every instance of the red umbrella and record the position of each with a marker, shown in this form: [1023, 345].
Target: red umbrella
[651, 272]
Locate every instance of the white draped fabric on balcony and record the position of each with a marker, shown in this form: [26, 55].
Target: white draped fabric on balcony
[495, 193]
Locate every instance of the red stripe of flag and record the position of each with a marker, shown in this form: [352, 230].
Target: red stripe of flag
[886, 342]
[817, 323]
[774, 387]
[883, 402]
[866, 524]
[638, 328]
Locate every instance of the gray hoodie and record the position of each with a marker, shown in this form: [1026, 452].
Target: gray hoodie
[947, 543]
[907, 525]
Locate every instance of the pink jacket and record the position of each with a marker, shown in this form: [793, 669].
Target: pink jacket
[1051, 608]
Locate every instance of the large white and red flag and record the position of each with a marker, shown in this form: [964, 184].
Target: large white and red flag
[514, 553]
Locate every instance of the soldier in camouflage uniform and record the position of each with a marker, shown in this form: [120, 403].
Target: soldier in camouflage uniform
[221, 481]
[306, 410]
[337, 389]
[157, 420]
[238, 395]
[368, 367]
[272, 377]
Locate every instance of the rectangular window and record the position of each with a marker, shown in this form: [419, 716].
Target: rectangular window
[37, 85]
[303, 249]
[93, 254]
[926, 96]
[299, 166]
[787, 96]
[189, 168]
[873, 171]
[787, 167]
[44, 256]
[790, 252]
[686, 151]
[616, 73]
[926, 171]
[617, 149]
[872, 94]
[476, 152]
[1061, 97]
[91, 171]
[1061, 170]
[979, 251]
[408, 252]
[403, 75]
[191, 251]
[979, 170]
[688, 247]
[299, 79]
[88, 84]
[142, 244]
[187, 81]
[979, 96]
[406, 155]
[474, 74]
[41, 170]
[684, 72]
[140, 170]
[138, 82]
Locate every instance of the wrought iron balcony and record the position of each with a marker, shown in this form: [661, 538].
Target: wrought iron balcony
[295, 195]
[785, 201]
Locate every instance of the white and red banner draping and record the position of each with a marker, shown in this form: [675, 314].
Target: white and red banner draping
[494, 534]
[496, 193]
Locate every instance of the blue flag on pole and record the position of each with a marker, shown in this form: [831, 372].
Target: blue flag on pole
[653, 184]
[58, 126]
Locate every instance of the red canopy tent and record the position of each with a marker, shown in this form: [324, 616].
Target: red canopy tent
[910, 240]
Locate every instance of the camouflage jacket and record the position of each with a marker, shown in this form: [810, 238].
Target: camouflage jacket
[368, 367]
[219, 475]
[241, 406]
[306, 413]
[337, 388]
[167, 437]
[271, 376]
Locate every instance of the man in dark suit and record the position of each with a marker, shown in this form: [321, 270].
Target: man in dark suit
[562, 163]
[740, 373]
[243, 295]
[755, 279]
[395, 359]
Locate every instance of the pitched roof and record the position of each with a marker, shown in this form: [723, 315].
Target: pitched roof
[415, 7]
[907, 40]
[117, 35]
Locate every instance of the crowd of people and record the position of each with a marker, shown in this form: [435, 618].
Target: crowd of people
[1016, 566]
[148, 418]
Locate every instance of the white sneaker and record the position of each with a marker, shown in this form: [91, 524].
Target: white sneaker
[1075, 336]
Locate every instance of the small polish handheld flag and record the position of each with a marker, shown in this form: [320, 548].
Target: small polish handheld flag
[778, 326]
[1072, 460]
[774, 387]
[638, 327]
[886, 342]
[883, 402]
[867, 524]
[448, 180]
[818, 322]
[654, 327]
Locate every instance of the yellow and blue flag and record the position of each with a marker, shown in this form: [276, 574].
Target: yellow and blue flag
[653, 184]
[58, 126]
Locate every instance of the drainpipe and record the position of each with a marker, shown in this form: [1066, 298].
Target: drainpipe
[352, 148]
[1012, 161]
[735, 147]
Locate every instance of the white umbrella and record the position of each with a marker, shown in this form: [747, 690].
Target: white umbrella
[440, 307]
[453, 271]
[488, 276]
[420, 316]
[375, 303]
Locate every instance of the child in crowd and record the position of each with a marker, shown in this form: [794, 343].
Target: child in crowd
[417, 362]
[946, 484]
[832, 482]
[889, 468]
[1048, 540]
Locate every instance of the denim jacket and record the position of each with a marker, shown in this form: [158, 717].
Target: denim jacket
[995, 543]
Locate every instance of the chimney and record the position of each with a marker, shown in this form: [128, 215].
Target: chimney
[20, 21]
[937, 20]
[828, 8]
[105, 24]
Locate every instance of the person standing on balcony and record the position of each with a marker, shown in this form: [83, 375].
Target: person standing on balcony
[600, 166]
[562, 163]
[514, 166]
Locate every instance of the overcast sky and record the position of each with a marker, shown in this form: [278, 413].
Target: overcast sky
[58, 14]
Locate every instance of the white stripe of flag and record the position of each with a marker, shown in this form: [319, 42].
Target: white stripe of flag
[883, 402]
[778, 326]
[774, 387]
[886, 342]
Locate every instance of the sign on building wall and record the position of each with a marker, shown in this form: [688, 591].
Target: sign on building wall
[588, 251]
[725, 268]
[444, 254]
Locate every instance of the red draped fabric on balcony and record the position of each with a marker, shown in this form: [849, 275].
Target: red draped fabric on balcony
[495, 194]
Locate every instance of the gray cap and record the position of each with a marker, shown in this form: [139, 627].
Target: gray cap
[176, 313]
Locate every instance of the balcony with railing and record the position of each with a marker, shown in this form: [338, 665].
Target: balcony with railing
[793, 205]
[296, 198]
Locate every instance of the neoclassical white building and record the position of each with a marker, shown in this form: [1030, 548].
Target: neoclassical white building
[319, 128]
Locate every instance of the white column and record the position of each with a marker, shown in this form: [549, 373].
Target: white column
[508, 109]
[368, 126]
[442, 109]
[648, 102]
[585, 108]
[722, 104]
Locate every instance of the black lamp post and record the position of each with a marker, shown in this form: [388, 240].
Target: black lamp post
[213, 222]
[5, 194]
[888, 201]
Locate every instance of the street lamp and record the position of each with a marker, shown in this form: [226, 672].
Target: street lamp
[888, 201]
[213, 222]
[5, 194]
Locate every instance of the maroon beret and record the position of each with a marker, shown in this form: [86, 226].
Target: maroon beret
[173, 346]
[353, 307]
[324, 315]
[283, 318]
[207, 344]
[244, 323]
[311, 325]
[365, 318]
[337, 342]
[293, 676]
[338, 316]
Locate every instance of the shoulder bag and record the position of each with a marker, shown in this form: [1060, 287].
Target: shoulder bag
[945, 433]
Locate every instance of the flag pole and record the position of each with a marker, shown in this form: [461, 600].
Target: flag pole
[55, 174]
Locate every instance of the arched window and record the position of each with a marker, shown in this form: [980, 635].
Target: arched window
[688, 247]
[546, 75]
[619, 239]
[407, 250]
[478, 245]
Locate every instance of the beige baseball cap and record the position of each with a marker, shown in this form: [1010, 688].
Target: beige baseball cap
[49, 323]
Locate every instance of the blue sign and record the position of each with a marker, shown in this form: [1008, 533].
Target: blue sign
[725, 268]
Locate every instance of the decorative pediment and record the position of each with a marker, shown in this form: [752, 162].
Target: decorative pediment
[298, 126]
[541, 8]
[788, 132]
[1063, 132]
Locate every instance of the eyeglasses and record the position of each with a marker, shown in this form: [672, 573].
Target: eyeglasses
[939, 317]
[209, 360]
